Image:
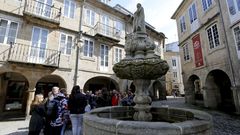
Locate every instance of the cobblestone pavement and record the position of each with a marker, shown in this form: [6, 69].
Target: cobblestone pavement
[224, 124]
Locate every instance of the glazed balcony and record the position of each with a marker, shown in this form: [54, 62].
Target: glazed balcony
[20, 53]
[41, 13]
[105, 32]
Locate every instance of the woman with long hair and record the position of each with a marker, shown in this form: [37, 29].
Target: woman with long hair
[38, 113]
[76, 105]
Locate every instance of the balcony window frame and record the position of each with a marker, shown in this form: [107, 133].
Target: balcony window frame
[104, 57]
[175, 74]
[213, 39]
[192, 13]
[174, 62]
[88, 48]
[182, 23]
[105, 1]
[6, 35]
[237, 40]
[233, 9]
[65, 44]
[90, 20]
[186, 52]
[206, 4]
[118, 54]
[69, 10]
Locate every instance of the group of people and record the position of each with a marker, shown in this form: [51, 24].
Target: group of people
[54, 113]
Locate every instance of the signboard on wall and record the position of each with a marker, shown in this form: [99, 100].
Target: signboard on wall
[197, 51]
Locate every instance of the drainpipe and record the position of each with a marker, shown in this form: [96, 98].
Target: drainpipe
[227, 45]
[79, 41]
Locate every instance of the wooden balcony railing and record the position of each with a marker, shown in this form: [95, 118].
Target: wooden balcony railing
[21, 53]
[42, 10]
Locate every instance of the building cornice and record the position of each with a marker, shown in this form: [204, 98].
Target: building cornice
[178, 9]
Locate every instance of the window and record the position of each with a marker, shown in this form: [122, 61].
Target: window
[105, 25]
[186, 53]
[66, 44]
[174, 63]
[236, 31]
[8, 31]
[234, 10]
[90, 17]
[175, 74]
[88, 48]
[119, 28]
[182, 24]
[105, 1]
[104, 57]
[118, 54]
[192, 13]
[206, 4]
[213, 36]
[69, 8]
[39, 44]
[43, 7]
[14, 95]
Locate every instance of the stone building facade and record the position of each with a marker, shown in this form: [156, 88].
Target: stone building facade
[208, 32]
[174, 81]
[46, 43]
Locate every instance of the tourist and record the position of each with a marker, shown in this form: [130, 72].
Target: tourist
[103, 98]
[55, 111]
[38, 114]
[66, 118]
[76, 104]
[115, 98]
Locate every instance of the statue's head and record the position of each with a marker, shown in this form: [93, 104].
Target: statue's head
[139, 5]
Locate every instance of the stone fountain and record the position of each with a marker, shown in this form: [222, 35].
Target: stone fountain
[141, 65]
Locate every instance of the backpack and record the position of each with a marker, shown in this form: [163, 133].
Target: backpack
[52, 109]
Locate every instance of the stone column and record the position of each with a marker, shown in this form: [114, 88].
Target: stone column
[205, 98]
[210, 99]
[30, 97]
[189, 95]
[236, 98]
[142, 100]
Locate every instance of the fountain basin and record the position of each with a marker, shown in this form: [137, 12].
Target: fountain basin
[166, 121]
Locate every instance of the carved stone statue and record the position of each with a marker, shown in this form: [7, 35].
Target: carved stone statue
[139, 19]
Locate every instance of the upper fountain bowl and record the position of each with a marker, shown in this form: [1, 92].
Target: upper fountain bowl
[148, 68]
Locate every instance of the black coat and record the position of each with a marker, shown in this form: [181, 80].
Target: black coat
[77, 103]
[38, 118]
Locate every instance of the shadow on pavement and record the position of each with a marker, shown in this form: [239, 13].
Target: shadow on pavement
[19, 133]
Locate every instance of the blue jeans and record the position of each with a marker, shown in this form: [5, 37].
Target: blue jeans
[63, 128]
[76, 120]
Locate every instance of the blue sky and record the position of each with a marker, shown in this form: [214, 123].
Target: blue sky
[157, 13]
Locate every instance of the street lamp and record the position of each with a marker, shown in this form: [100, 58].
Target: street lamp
[79, 42]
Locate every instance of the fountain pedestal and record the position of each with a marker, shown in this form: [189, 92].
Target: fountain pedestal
[142, 100]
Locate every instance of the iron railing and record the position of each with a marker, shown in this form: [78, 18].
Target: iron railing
[29, 54]
[106, 30]
[42, 10]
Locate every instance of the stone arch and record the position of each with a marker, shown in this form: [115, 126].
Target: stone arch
[158, 91]
[192, 88]
[13, 89]
[45, 84]
[99, 82]
[218, 91]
